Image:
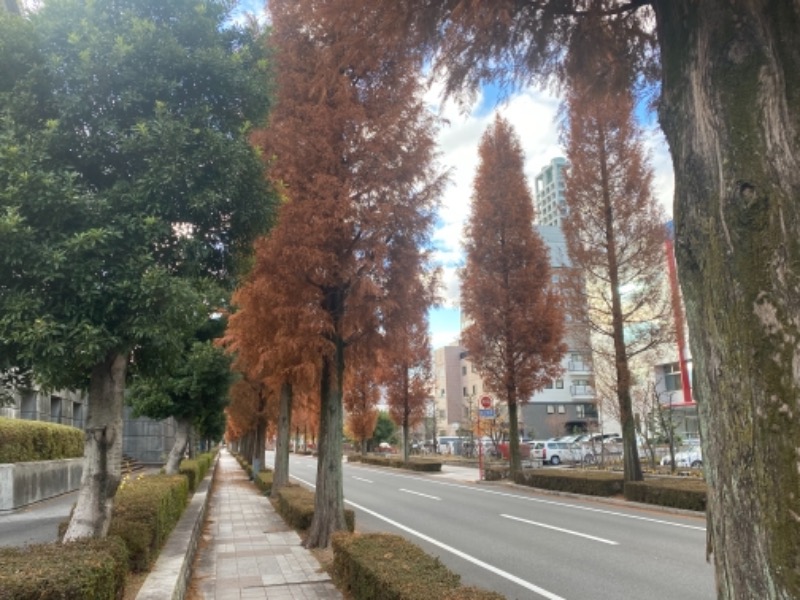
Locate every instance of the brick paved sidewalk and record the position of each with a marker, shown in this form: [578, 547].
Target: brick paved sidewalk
[248, 552]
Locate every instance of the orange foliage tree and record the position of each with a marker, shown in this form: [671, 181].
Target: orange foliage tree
[515, 323]
[406, 368]
[351, 144]
[361, 395]
[267, 335]
[614, 229]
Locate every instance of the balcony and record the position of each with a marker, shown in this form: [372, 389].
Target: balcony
[581, 391]
[579, 366]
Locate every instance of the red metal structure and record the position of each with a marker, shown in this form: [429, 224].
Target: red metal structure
[677, 310]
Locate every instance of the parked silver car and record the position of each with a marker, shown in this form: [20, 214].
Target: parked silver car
[692, 457]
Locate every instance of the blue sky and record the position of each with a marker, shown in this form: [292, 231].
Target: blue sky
[533, 114]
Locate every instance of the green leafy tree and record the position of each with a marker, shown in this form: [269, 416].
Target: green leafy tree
[385, 430]
[194, 392]
[126, 185]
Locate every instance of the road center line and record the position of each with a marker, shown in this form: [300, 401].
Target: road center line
[362, 479]
[569, 531]
[419, 494]
[475, 561]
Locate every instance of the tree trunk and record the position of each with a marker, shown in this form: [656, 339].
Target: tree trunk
[731, 114]
[280, 475]
[102, 455]
[182, 429]
[406, 411]
[513, 436]
[329, 495]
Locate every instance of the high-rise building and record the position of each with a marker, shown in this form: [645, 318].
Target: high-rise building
[549, 186]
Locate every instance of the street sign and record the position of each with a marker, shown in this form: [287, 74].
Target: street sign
[486, 401]
[486, 413]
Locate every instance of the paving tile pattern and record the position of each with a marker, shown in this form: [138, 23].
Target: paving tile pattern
[248, 552]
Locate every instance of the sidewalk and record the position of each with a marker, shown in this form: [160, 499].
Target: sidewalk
[248, 552]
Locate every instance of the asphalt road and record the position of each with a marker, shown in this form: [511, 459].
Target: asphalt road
[524, 544]
[37, 523]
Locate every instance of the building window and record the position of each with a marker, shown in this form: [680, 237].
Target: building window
[441, 393]
[672, 377]
[550, 409]
[474, 389]
[442, 414]
[561, 409]
[465, 392]
[579, 411]
[559, 384]
[464, 370]
[549, 385]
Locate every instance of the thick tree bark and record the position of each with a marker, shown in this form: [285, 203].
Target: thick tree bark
[731, 113]
[182, 428]
[102, 458]
[280, 475]
[329, 494]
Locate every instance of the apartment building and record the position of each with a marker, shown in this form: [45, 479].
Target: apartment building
[549, 187]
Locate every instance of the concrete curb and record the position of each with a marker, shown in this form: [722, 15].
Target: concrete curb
[170, 575]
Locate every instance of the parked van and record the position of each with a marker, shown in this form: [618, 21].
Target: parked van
[555, 453]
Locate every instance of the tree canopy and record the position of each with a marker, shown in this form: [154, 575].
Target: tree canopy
[128, 195]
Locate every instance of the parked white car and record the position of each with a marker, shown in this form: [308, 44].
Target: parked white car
[692, 457]
[555, 453]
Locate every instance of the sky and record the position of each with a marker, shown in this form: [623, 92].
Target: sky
[533, 114]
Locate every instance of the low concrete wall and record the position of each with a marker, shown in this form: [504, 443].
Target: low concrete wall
[25, 483]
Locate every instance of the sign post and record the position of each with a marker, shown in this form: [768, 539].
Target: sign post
[484, 412]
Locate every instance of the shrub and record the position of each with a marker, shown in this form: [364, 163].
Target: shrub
[687, 493]
[296, 505]
[264, 482]
[390, 567]
[591, 483]
[191, 469]
[83, 570]
[26, 441]
[145, 512]
[413, 464]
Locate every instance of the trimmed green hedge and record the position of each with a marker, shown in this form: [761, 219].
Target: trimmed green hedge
[413, 464]
[146, 510]
[195, 469]
[84, 570]
[688, 493]
[26, 441]
[296, 505]
[264, 482]
[590, 483]
[390, 567]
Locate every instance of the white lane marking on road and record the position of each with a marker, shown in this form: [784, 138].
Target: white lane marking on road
[541, 501]
[569, 531]
[419, 494]
[362, 479]
[475, 561]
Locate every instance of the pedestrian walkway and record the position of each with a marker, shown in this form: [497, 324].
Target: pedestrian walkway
[248, 552]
